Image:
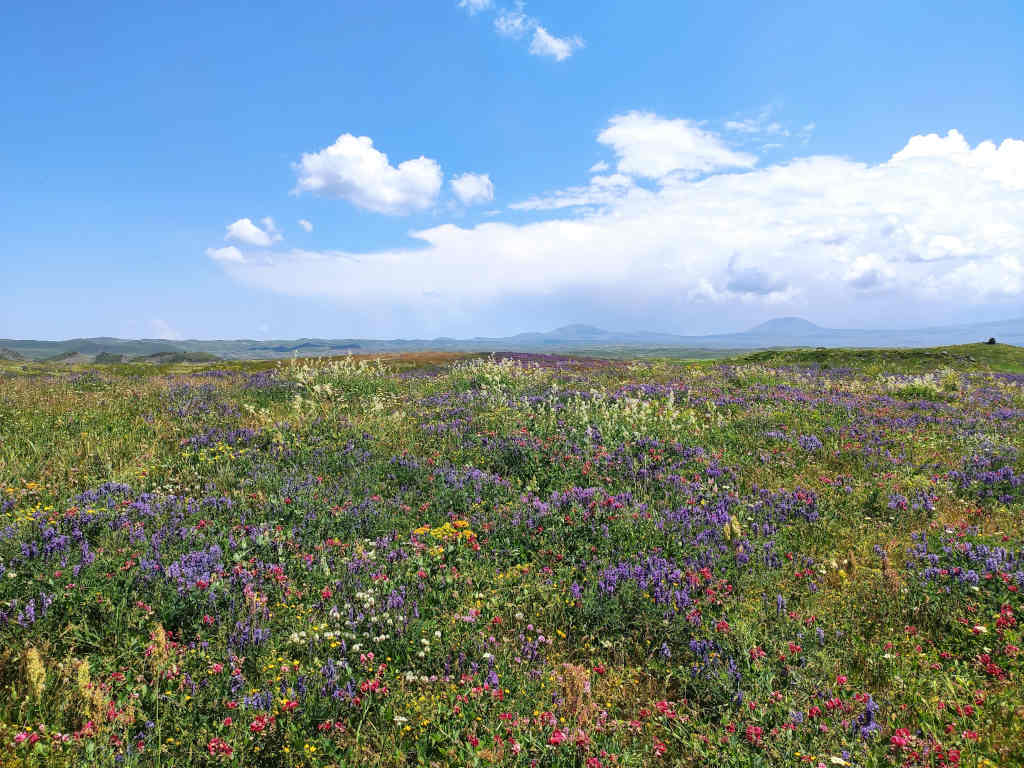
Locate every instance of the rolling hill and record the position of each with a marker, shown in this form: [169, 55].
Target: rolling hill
[782, 332]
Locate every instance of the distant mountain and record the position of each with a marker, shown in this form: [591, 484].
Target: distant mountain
[786, 326]
[775, 333]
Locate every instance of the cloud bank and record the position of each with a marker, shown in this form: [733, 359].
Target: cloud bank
[692, 232]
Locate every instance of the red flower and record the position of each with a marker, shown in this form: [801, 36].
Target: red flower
[556, 738]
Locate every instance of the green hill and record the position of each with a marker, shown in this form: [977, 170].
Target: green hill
[973, 357]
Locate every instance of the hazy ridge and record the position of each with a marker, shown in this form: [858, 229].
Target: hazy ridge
[779, 332]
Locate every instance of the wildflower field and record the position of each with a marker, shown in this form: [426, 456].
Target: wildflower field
[528, 561]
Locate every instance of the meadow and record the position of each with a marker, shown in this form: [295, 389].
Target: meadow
[790, 558]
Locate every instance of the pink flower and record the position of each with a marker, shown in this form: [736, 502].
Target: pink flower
[557, 737]
[901, 738]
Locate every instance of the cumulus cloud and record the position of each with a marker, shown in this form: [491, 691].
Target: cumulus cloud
[306, 224]
[473, 188]
[351, 168]
[652, 146]
[939, 225]
[244, 231]
[475, 6]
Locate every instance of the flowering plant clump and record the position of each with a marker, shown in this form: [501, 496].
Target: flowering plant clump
[531, 560]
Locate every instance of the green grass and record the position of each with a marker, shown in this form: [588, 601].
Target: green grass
[724, 561]
[963, 357]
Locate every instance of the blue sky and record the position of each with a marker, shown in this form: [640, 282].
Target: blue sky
[673, 166]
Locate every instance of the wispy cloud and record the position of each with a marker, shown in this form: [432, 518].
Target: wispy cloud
[652, 146]
[516, 24]
[474, 7]
[767, 128]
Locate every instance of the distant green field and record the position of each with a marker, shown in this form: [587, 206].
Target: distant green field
[970, 357]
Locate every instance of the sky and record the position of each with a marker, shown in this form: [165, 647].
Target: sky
[477, 167]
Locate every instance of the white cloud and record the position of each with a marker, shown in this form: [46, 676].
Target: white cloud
[244, 231]
[475, 6]
[602, 190]
[599, 167]
[559, 48]
[353, 169]
[473, 188]
[937, 228]
[270, 228]
[306, 224]
[513, 23]
[755, 126]
[228, 253]
[653, 146]
[761, 124]
[516, 24]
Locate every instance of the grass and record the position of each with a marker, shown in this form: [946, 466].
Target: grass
[969, 357]
[789, 557]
